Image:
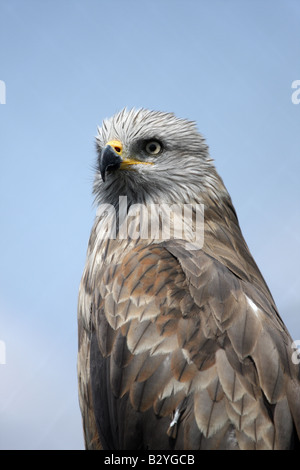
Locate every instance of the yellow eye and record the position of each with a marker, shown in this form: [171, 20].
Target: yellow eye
[153, 147]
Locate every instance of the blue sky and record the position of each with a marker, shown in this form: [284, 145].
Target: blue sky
[67, 64]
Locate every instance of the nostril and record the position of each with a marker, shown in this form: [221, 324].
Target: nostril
[116, 145]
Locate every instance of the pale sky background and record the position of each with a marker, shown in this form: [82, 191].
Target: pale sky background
[67, 64]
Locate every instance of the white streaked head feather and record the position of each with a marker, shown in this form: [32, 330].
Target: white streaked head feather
[181, 173]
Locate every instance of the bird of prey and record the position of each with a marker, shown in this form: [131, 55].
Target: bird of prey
[181, 345]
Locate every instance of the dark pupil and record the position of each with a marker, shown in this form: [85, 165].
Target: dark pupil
[152, 147]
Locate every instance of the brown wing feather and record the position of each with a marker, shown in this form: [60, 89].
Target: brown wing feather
[188, 350]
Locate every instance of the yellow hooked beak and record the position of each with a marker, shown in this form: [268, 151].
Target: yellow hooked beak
[117, 146]
[111, 158]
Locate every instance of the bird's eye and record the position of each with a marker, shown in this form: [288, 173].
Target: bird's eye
[153, 147]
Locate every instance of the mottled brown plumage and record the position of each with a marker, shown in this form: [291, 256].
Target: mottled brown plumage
[179, 348]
